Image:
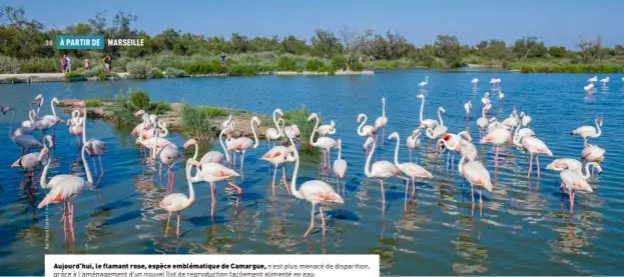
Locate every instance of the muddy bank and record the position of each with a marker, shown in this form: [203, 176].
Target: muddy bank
[174, 120]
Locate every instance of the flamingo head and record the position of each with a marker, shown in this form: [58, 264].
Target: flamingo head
[393, 135]
[360, 116]
[416, 132]
[17, 163]
[597, 166]
[420, 96]
[6, 109]
[441, 110]
[383, 100]
[599, 121]
[59, 120]
[55, 101]
[229, 135]
[39, 96]
[332, 123]
[312, 116]
[256, 120]
[368, 142]
[189, 143]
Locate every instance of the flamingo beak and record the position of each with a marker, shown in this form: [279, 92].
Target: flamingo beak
[229, 135]
[16, 163]
[58, 120]
[599, 171]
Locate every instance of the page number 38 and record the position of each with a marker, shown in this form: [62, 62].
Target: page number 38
[49, 43]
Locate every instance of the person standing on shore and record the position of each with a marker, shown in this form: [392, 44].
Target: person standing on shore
[107, 63]
[68, 63]
[223, 56]
[86, 64]
[63, 63]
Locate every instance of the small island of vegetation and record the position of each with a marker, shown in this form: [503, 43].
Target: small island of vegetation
[173, 53]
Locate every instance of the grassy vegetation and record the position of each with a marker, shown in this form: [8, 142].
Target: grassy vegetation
[299, 117]
[93, 103]
[126, 104]
[196, 120]
[553, 67]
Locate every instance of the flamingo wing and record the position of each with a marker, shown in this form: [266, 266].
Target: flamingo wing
[476, 174]
[318, 191]
[174, 202]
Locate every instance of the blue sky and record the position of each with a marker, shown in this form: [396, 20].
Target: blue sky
[552, 21]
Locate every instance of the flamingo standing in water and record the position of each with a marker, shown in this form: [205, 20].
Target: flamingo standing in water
[273, 133]
[589, 131]
[279, 155]
[212, 173]
[525, 119]
[66, 187]
[326, 129]
[476, 174]
[474, 82]
[589, 88]
[423, 84]
[177, 202]
[498, 137]
[25, 141]
[604, 81]
[535, 147]
[31, 161]
[340, 166]
[75, 127]
[592, 153]
[592, 79]
[410, 169]
[426, 123]
[28, 126]
[467, 107]
[242, 144]
[413, 142]
[574, 181]
[382, 121]
[486, 98]
[314, 191]
[156, 141]
[381, 170]
[325, 143]
[96, 148]
[49, 121]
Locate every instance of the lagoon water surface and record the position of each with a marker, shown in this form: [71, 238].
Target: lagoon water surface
[525, 229]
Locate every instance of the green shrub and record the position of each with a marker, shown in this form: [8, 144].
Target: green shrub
[41, 65]
[159, 107]
[339, 62]
[299, 117]
[9, 65]
[157, 73]
[321, 69]
[174, 72]
[139, 99]
[286, 64]
[267, 68]
[331, 70]
[314, 65]
[93, 103]
[356, 66]
[239, 70]
[139, 70]
[73, 76]
[213, 67]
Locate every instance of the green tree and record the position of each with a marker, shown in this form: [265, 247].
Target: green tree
[325, 44]
[354, 42]
[293, 46]
[557, 51]
[447, 47]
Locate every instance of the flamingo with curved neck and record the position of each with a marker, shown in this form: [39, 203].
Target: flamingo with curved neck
[325, 143]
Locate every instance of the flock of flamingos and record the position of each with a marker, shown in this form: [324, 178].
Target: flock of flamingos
[217, 166]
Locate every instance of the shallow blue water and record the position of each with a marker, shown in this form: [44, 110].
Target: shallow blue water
[523, 231]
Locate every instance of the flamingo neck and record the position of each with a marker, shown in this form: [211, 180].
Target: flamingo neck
[253, 130]
[190, 184]
[196, 151]
[396, 151]
[440, 117]
[461, 164]
[293, 182]
[84, 148]
[44, 175]
[31, 117]
[359, 130]
[339, 151]
[599, 129]
[367, 170]
[312, 142]
[383, 108]
[52, 108]
[227, 153]
[279, 131]
[40, 104]
[587, 174]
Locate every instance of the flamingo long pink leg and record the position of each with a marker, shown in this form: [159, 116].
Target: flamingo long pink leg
[383, 196]
[311, 222]
[322, 220]
[71, 222]
[538, 167]
[274, 175]
[167, 226]
[530, 164]
[496, 156]
[238, 189]
[178, 229]
[571, 201]
[212, 199]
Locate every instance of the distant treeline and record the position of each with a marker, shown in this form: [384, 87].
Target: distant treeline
[24, 39]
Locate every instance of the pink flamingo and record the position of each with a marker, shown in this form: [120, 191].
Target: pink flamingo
[498, 136]
[413, 142]
[273, 133]
[211, 156]
[177, 202]
[467, 107]
[242, 144]
[476, 174]
[381, 170]
[279, 155]
[589, 131]
[565, 163]
[325, 143]
[535, 147]
[574, 180]
[382, 121]
[25, 141]
[212, 173]
[31, 161]
[66, 188]
[410, 169]
[314, 191]
[167, 155]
